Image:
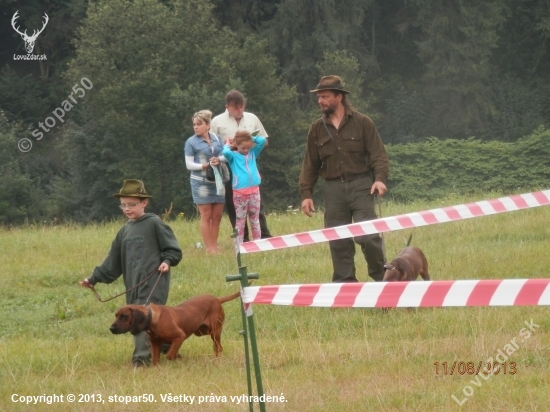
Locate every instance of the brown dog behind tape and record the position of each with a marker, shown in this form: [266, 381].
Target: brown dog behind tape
[407, 265]
[201, 315]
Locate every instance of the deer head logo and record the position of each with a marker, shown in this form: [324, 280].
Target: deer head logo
[29, 40]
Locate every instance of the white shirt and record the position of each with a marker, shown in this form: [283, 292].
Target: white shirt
[226, 126]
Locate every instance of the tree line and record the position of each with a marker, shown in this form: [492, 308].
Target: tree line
[470, 72]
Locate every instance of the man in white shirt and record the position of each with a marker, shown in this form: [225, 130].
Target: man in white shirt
[226, 125]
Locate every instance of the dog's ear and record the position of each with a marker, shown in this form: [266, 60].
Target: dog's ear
[139, 321]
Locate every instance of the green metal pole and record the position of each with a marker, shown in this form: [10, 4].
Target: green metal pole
[255, 356]
[243, 332]
[247, 360]
[244, 277]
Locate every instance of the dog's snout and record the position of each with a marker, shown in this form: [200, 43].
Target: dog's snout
[113, 329]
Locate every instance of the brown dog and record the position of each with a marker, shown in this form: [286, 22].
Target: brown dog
[407, 265]
[200, 315]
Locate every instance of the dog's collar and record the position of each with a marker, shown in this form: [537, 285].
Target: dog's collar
[149, 317]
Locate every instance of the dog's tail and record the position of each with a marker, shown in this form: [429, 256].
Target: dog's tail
[230, 297]
[409, 241]
[233, 296]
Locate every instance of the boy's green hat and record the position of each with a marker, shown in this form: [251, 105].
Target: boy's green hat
[132, 188]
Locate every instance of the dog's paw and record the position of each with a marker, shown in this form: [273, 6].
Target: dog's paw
[171, 357]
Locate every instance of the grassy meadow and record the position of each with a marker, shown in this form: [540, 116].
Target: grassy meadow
[55, 338]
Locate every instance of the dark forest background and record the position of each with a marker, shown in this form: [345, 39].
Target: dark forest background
[459, 90]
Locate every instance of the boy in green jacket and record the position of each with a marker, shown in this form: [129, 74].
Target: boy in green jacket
[144, 245]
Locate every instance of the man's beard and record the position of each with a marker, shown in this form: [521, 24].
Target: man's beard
[329, 110]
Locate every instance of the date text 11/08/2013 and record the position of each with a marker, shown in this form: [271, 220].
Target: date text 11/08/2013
[469, 368]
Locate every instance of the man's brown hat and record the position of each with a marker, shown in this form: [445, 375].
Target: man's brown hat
[132, 188]
[330, 83]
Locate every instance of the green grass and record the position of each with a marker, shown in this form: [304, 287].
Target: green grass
[54, 336]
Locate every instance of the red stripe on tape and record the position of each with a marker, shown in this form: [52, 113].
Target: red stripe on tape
[429, 217]
[347, 295]
[356, 230]
[519, 201]
[389, 297]
[531, 292]
[305, 295]
[266, 294]
[497, 205]
[305, 238]
[277, 242]
[482, 292]
[381, 226]
[475, 209]
[436, 293]
[541, 198]
[452, 213]
[331, 234]
[250, 246]
[405, 222]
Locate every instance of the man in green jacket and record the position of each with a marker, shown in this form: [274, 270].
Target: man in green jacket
[144, 245]
[344, 148]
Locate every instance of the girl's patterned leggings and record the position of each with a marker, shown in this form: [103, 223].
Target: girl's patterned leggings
[247, 205]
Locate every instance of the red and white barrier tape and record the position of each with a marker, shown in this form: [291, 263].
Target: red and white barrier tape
[409, 220]
[509, 292]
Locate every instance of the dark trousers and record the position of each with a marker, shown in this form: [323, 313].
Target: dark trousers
[345, 203]
[230, 210]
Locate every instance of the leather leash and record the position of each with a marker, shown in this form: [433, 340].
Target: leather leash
[381, 233]
[123, 293]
